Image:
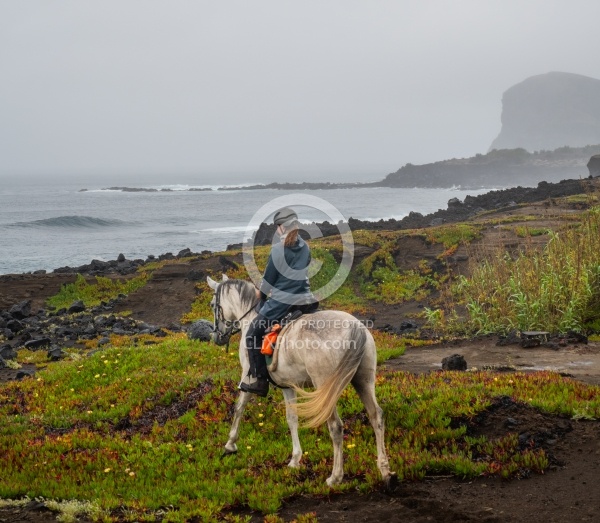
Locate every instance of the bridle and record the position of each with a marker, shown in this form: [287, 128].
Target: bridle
[222, 337]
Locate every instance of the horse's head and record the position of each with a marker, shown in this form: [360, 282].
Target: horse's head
[224, 322]
[228, 305]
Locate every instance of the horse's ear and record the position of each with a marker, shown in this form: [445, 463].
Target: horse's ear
[211, 283]
[225, 277]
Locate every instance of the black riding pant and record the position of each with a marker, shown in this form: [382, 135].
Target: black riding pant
[254, 338]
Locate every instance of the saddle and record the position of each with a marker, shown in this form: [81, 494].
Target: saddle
[270, 338]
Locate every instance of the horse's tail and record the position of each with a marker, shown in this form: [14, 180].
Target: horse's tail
[316, 407]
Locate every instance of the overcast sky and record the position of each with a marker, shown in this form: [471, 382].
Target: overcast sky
[146, 86]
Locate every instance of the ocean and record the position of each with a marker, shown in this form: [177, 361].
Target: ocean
[50, 224]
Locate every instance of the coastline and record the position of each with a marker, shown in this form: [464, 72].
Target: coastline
[456, 211]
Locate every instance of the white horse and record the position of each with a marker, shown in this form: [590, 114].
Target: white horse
[326, 350]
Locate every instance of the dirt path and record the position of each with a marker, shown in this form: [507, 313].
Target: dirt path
[579, 361]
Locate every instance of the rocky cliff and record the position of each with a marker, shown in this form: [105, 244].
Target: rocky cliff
[549, 111]
[498, 168]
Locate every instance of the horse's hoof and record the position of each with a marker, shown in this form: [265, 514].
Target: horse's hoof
[331, 481]
[391, 482]
[228, 452]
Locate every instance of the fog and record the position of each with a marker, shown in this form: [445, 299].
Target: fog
[297, 90]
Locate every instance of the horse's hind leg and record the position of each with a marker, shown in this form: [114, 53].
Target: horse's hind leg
[230, 446]
[336, 431]
[289, 395]
[366, 392]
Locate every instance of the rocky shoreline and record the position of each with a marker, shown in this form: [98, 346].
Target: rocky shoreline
[456, 211]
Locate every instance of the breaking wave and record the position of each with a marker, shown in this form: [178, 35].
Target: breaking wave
[71, 221]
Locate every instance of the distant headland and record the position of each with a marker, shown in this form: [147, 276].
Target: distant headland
[495, 169]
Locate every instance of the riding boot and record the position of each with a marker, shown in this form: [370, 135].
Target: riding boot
[256, 381]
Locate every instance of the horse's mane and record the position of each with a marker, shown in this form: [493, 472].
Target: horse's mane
[243, 288]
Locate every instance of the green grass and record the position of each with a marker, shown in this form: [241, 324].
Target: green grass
[92, 294]
[391, 286]
[451, 236]
[58, 438]
[522, 231]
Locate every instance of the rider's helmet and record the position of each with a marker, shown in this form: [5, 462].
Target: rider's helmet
[285, 217]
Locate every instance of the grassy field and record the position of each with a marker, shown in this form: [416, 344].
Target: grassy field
[137, 433]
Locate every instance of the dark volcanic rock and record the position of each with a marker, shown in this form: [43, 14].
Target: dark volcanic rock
[227, 263]
[454, 362]
[76, 307]
[100, 268]
[37, 343]
[512, 338]
[7, 352]
[21, 310]
[55, 354]
[201, 330]
[14, 326]
[130, 189]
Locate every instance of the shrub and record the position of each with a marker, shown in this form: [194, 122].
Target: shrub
[555, 289]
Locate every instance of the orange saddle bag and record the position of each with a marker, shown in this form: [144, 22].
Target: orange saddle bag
[270, 339]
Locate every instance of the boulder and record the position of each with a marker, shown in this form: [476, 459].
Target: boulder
[56, 354]
[21, 310]
[14, 326]
[22, 374]
[77, 306]
[37, 343]
[201, 330]
[454, 362]
[7, 352]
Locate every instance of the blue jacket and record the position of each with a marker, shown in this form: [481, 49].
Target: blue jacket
[286, 279]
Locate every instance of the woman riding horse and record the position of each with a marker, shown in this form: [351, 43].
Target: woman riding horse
[286, 280]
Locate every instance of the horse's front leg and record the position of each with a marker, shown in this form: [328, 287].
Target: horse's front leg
[289, 395]
[240, 405]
